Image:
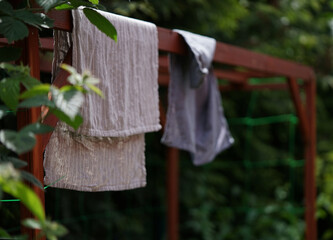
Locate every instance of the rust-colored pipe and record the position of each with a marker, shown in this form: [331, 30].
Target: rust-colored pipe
[310, 157]
[34, 158]
[296, 97]
[172, 193]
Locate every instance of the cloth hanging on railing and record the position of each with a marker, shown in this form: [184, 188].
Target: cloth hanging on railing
[109, 146]
[195, 119]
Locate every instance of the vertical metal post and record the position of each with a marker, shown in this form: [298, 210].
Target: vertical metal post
[172, 193]
[310, 157]
[35, 157]
[301, 114]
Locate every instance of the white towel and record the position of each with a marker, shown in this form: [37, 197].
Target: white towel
[107, 151]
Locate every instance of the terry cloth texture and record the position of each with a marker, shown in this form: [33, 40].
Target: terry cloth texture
[107, 151]
[195, 117]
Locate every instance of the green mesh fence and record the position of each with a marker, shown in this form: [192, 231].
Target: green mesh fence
[249, 124]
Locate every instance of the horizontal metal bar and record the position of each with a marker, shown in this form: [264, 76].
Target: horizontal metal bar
[249, 87]
[172, 42]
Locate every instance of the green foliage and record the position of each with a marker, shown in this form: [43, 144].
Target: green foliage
[9, 89]
[52, 230]
[3, 111]
[11, 184]
[37, 128]
[94, 1]
[101, 23]
[68, 101]
[65, 103]
[48, 4]
[3, 233]
[13, 29]
[325, 178]
[10, 85]
[195, 15]
[19, 142]
[84, 80]
[16, 162]
[13, 22]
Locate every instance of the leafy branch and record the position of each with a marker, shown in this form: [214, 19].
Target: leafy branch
[14, 22]
[65, 102]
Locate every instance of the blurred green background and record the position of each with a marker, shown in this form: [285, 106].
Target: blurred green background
[252, 191]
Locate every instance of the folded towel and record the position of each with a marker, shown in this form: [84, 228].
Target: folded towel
[195, 119]
[93, 164]
[107, 151]
[128, 71]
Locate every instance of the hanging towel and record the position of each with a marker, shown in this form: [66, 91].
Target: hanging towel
[85, 163]
[128, 71]
[107, 151]
[195, 120]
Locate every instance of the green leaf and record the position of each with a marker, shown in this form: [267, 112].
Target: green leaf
[68, 102]
[101, 23]
[9, 53]
[25, 194]
[17, 163]
[37, 128]
[36, 102]
[9, 92]
[88, 79]
[80, 3]
[74, 123]
[12, 28]
[4, 111]
[68, 68]
[32, 223]
[52, 230]
[96, 90]
[65, 6]
[3, 233]
[74, 88]
[12, 69]
[48, 4]
[5, 8]
[34, 19]
[36, 90]
[47, 22]
[31, 178]
[94, 2]
[29, 82]
[19, 142]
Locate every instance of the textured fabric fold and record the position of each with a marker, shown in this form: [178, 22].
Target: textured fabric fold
[195, 119]
[128, 70]
[107, 151]
[84, 163]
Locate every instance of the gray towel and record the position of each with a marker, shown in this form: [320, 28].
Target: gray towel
[195, 118]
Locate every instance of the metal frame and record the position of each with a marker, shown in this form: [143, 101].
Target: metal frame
[252, 65]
